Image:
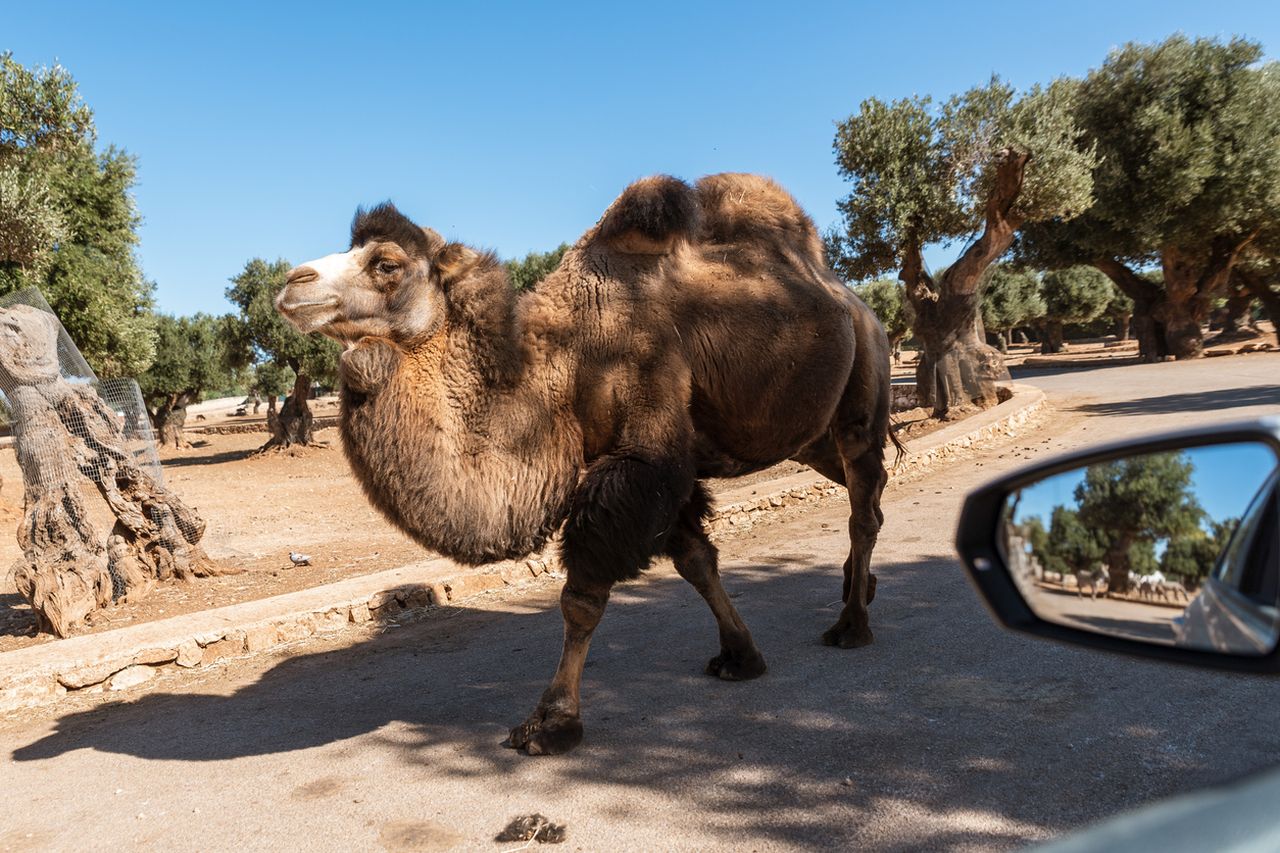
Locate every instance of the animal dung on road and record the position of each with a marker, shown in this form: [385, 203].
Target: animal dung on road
[534, 827]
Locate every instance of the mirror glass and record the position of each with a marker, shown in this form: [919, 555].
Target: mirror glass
[1178, 548]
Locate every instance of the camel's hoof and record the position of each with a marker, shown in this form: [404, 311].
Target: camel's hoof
[737, 666]
[546, 734]
[847, 637]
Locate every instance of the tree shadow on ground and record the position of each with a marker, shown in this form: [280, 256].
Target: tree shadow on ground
[1018, 371]
[208, 459]
[1195, 401]
[947, 732]
[16, 617]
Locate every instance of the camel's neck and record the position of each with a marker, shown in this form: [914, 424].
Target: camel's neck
[461, 441]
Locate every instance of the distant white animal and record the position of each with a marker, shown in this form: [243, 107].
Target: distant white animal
[1156, 585]
[299, 559]
[1094, 578]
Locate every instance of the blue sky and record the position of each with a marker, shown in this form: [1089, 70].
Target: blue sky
[260, 126]
[1225, 478]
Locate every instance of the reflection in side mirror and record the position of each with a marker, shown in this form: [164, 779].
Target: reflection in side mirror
[1177, 548]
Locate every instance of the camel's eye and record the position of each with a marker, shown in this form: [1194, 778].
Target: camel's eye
[387, 267]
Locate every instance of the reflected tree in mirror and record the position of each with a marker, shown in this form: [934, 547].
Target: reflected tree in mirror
[1132, 501]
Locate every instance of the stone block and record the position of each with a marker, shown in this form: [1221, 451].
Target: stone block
[469, 585]
[82, 677]
[226, 647]
[131, 676]
[189, 654]
[154, 657]
[297, 629]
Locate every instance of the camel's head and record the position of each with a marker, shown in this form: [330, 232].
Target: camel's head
[389, 284]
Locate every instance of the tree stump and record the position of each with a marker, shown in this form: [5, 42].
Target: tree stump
[64, 432]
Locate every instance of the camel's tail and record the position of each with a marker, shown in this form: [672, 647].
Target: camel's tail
[898, 445]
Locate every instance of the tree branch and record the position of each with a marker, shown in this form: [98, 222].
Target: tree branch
[1130, 283]
[1001, 223]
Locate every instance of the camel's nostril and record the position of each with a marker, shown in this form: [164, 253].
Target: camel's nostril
[301, 275]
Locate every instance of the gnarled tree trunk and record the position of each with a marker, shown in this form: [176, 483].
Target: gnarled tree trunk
[956, 365]
[291, 426]
[1051, 337]
[1167, 319]
[1264, 292]
[1122, 326]
[171, 417]
[65, 433]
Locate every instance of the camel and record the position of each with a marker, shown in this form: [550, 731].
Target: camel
[693, 332]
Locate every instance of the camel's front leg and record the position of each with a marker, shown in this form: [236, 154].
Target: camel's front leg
[555, 726]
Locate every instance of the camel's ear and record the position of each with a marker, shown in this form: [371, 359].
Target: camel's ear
[434, 239]
[453, 261]
[651, 217]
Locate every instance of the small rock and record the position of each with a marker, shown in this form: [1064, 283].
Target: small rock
[131, 676]
[189, 654]
[848, 782]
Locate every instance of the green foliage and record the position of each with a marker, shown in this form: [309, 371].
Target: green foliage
[271, 379]
[193, 354]
[254, 291]
[1119, 305]
[1034, 534]
[1192, 556]
[1076, 294]
[68, 224]
[921, 173]
[1143, 498]
[1185, 134]
[1070, 546]
[1010, 298]
[886, 297]
[535, 266]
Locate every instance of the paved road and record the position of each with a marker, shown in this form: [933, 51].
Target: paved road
[946, 734]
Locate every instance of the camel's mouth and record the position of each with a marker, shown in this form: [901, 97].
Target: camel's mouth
[308, 315]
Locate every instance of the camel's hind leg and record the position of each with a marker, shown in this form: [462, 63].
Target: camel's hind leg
[695, 559]
[824, 457]
[865, 478]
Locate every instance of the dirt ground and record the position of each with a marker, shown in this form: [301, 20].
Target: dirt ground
[258, 510]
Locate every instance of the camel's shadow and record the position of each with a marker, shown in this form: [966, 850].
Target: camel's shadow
[945, 712]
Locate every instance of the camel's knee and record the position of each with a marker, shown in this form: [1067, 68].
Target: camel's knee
[583, 606]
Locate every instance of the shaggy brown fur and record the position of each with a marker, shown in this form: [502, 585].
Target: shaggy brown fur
[695, 331]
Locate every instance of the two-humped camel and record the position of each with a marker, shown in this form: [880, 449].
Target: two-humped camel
[695, 331]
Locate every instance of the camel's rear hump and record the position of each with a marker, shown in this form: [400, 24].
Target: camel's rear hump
[742, 208]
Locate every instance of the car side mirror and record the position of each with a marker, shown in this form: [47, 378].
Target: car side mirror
[1165, 547]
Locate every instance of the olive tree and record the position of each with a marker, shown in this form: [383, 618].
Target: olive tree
[68, 225]
[1010, 298]
[1138, 500]
[887, 300]
[534, 267]
[1257, 273]
[193, 354]
[1076, 294]
[975, 168]
[1187, 176]
[308, 356]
